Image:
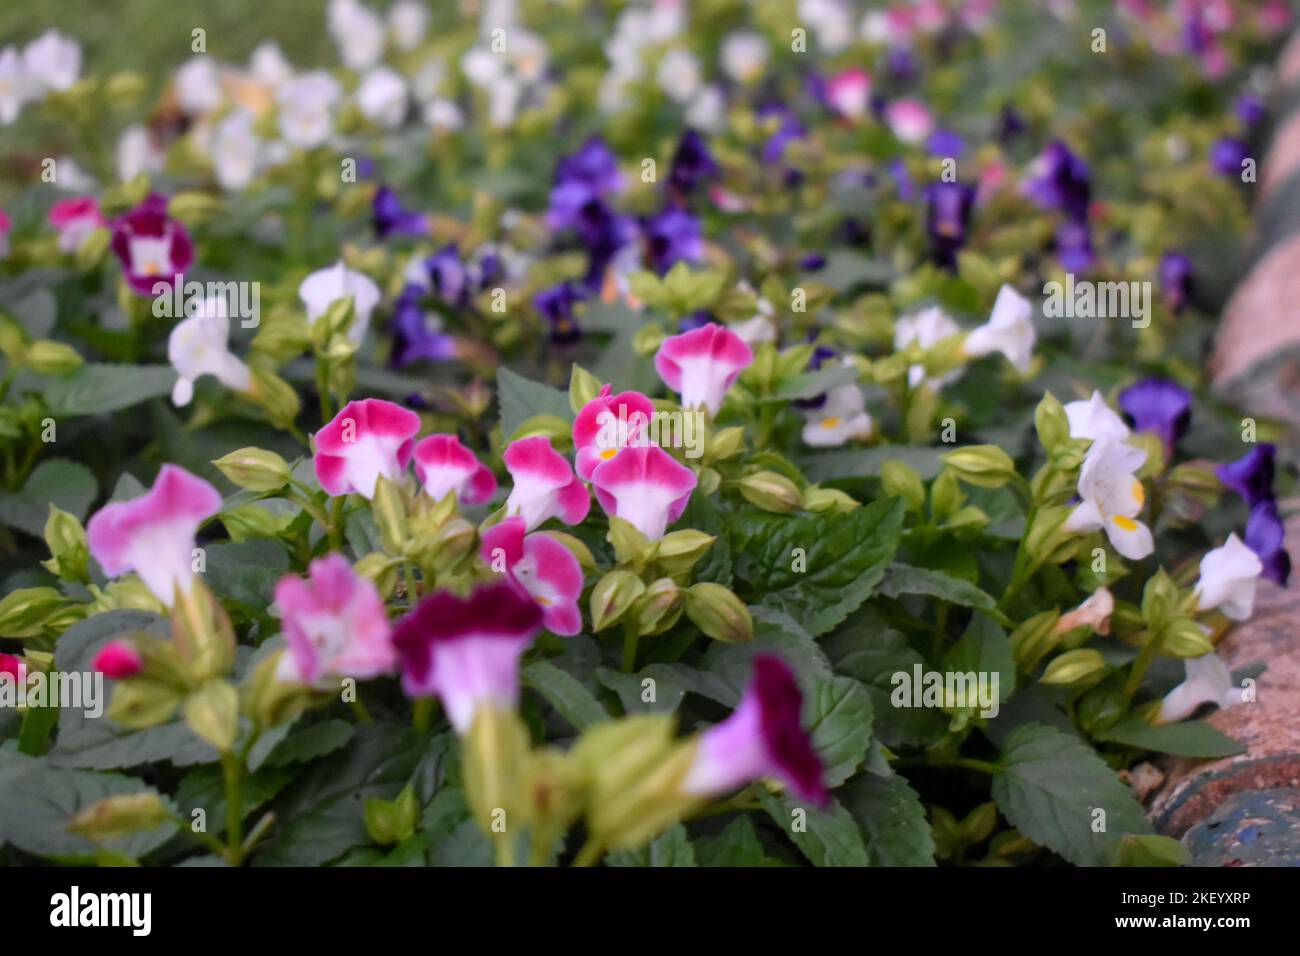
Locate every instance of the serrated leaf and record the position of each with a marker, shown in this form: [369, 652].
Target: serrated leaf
[97, 388]
[736, 845]
[1191, 738]
[566, 694]
[307, 743]
[828, 837]
[68, 484]
[905, 579]
[520, 399]
[670, 848]
[893, 819]
[838, 715]
[668, 687]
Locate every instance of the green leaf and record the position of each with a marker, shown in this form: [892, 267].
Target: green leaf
[846, 270]
[838, 715]
[670, 848]
[826, 837]
[725, 669]
[893, 819]
[247, 572]
[204, 788]
[566, 694]
[845, 557]
[737, 845]
[307, 743]
[520, 399]
[984, 649]
[813, 384]
[1051, 787]
[668, 687]
[865, 463]
[96, 388]
[1191, 738]
[905, 579]
[68, 484]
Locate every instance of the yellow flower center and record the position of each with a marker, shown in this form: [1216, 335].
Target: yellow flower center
[608, 453]
[1127, 524]
[830, 422]
[1139, 493]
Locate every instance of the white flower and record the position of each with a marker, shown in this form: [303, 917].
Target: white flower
[926, 329]
[306, 109]
[324, 287]
[1207, 682]
[708, 110]
[481, 66]
[235, 151]
[197, 347]
[503, 101]
[443, 115]
[1113, 497]
[268, 65]
[832, 20]
[407, 23]
[842, 417]
[679, 75]
[1228, 578]
[382, 97]
[528, 55]
[357, 31]
[1095, 419]
[1009, 330]
[136, 153]
[15, 85]
[53, 61]
[743, 55]
[198, 87]
[427, 82]
[73, 178]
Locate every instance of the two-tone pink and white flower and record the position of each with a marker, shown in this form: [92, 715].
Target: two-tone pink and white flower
[334, 625]
[75, 220]
[909, 120]
[544, 568]
[444, 466]
[544, 484]
[701, 365]
[466, 651]
[607, 423]
[849, 93]
[198, 346]
[153, 535]
[646, 486]
[365, 440]
[763, 738]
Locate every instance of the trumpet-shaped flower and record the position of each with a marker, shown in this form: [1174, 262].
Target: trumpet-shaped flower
[467, 650]
[842, 416]
[909, 120]
[1251, 475]
[444, 465]
[607, 423]
[544, 484]
[645, 486]
[1160, 406]
[1094, 419]
[1229, 575]
[52, 61]
[1113, 498]
[326, 286]
[334, 625]
[925, 330]
[153, 247]
[762, 738]
[366, 439]
[701, 365]
[358, 32]
[1207, 681]
[544, 568]
[307, 109]
[236, 150]
[1009, 330]
[75, 219]
[153, 535]
[197, 347]
[1264, 535]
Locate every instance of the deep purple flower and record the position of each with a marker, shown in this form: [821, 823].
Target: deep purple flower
[449, 275]
[1160, 406]
[417, 331]
[1010, 123]
[945, 143]
[389, 216]
[813, 262]
[696, 320]
[1175, 274]
[1074, 246]
[1251, 475]
[789, 130]
[902, 179]
[673, 236]
[1264, 535]
[491, 270]
[821, 355]
[1062, 181]
[901, 64]
[947, 217]
[593, 165]
[692, 164]
[151, 245]
[1227, 154]
[1250, 109]
[556, 306]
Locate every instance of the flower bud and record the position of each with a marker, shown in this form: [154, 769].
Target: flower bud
[118, 660]
[827, 499]
[194, 208]
[46, 357]
[583, 387]
[269, 701]
[1184, 637]
[658, 608]
[986, 466]
[1075, 668]
[1051, 422]
[276, 396]
[389, 509]
[771, 491]
[119, 815]
[212, 712]
[1034, 639]
[902, 480]
[66, 539]
[725, 444]
[255, 469]
[612, 596]
[24, 612]
[717, 612]
[631, 547]
[251, 521]
[389, 822]
[678, 551]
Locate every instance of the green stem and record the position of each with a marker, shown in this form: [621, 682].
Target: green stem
[336, 523]
[1140, 665]
[630, 639]
[422, 714]
[590, 853]
[359, 708]
[232, 769]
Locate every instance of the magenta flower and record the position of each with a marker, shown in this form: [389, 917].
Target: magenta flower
[467, 650]
[153, 247]
[645, 486]
[118, 660]
[153, 535]
[334, 624]
[366, 439]
[75, 219]
[14, 668]
[762, 738]
[702, 364]
[607, 423]
[545, 569]
[545, 485]
[849, 93]
[444, 465]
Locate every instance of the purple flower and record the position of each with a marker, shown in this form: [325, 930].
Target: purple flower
[1160, 406]
[696, 320]
[1251, 475]
[556, 306]
[692, 164]
[1264, 535]
[902, 180]
[1062, 181]
[593, 165]
[901, 64]
[1250, 109]
[1074, 246]
[152, 246]
[1010, 123]
[813, 262]
[389, 216]
[417, 331]
[1226, 156]
[789, 130]
[449, 275]
[945, 143]
[947, 217]
[673, 236]
[1175, 274]
[821, 355]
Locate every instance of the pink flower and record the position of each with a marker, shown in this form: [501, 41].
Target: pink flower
[153, 535]
[849, 93]
[366, 439]
[118, 660]
[606, 424]
[14, 668]
[467, 650]
[545, 569]
[702, 364]
[762, 738]
[646, 486]
[545, 485]
[334, 624]
[6, 224]
[75, 219]
[444, 465]
[909, 120]
[154, 248]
